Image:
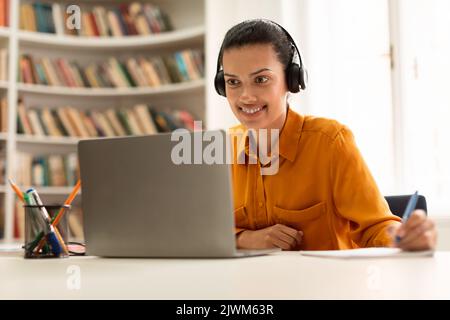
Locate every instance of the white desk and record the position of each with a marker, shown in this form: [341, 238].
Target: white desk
[284, 275]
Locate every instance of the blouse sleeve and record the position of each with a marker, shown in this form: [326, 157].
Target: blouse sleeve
[356, 195]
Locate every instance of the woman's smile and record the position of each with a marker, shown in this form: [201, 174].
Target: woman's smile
[251, 112]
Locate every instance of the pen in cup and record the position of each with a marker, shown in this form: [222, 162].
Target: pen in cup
[33, 198]
[53, 236]
[408, 211]
[61, 212]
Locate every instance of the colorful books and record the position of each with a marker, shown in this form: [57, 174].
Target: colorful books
[4, 13]
[2, 164]
[3, 114]
[154, 71]
[126, 19]
[2, 219]
[3, 64]
[47, 171]
[72, 122]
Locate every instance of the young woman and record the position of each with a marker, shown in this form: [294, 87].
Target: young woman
[323, 196]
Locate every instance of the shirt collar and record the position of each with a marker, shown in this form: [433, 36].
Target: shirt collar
[289, 137]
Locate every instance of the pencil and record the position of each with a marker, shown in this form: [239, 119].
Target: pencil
[68, 202]
[16, 190]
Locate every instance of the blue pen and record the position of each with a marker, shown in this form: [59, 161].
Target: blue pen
[409, 209]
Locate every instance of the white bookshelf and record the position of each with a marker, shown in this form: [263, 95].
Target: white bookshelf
[4, 32]
[46, 141]
[188, 21]
[186, 36]
[176, 88]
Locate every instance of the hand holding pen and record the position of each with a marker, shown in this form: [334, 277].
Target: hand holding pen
[417, 231]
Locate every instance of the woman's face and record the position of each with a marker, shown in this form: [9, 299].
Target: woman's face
[255, 86]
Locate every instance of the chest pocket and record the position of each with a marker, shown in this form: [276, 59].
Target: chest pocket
[241, 218]
[311, 221]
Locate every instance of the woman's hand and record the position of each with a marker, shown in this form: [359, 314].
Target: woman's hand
[277, 236]
[418, 233]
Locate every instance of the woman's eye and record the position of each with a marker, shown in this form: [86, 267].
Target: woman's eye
[232, 82]
[261, 79]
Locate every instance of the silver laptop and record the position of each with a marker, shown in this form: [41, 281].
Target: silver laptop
[138, 203]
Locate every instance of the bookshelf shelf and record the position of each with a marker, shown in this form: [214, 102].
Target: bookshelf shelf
[3, 84]
[48, 140]
[177, 37]
[4, 32]
[184, 87]
[188, 21]
[51, 190]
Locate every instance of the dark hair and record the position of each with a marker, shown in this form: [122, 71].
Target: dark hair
[259, 31]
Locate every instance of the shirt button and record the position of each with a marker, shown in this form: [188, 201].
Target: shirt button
[260, 204]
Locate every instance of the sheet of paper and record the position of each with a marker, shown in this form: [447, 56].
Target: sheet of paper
[367, 253]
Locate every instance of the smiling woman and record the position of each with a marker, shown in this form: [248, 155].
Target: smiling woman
[311, 202]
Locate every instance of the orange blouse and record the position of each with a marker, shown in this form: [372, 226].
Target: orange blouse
[323, 187]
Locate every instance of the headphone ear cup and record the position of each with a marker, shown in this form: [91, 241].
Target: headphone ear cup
[292, 78]
[303, 78]
[219, 83]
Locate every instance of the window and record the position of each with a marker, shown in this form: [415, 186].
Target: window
[398, 106]
[424, 51]
[348, 62]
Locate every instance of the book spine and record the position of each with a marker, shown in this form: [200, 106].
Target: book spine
[58, 18]
[59, 123]
[63, 116]
[41, 122]
[4, 115]
[181, 66]
[124, 121]
[2, 13]
[35, 123]
[94, 26]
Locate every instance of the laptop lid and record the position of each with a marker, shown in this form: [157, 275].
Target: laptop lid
[138, 203]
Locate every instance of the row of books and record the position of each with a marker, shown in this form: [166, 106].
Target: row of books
[75, 217]
[4, 13]
[124, 19]
[2, 217]
[2, 163]
[3, 64]
[72, 122]
[2, 182]
[2, 170]
[53, 170]
[153, 71]
[3, 114]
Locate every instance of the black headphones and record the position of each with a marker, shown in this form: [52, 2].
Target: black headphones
[296, 75]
